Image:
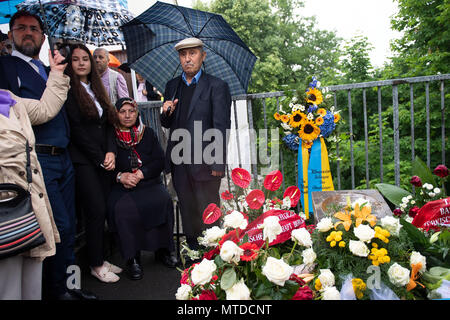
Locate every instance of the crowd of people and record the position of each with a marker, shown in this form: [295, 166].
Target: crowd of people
[92, 153]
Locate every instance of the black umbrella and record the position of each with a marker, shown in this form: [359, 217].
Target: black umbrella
[150, 40]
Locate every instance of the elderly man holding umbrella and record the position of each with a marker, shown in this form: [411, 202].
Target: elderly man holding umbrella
[197, 100]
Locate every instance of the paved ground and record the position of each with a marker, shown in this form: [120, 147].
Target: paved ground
[158, 283]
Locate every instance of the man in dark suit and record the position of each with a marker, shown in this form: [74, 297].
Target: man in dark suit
[25, 75]
[197, 110]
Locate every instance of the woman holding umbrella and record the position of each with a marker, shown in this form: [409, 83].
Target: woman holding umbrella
[92, 149]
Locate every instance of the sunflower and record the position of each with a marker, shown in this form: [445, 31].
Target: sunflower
[284, 117]
[321, 112]
[309, 131]
[297, 118]
[319, 121]
[337, 117]
[314, 96]
[277, 116]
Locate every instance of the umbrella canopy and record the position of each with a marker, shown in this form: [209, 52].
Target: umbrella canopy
[151, 37]
[90, 21]
[7, 9]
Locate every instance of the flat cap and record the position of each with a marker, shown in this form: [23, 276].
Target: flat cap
[188, 43]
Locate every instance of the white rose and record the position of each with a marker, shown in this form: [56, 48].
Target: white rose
[183, 292]
[277, 271]
[211, 236]
[398, 275]
[324, 225]
[302, 236]
[364, 232]
[331, 293]
[235, 220]
[326, 278]
[309, 256]
[416, 258]
[391, 224]
[358, 248]
[427, 186]
[271, 228]
[230, 252]
[239, 291]
[437, 190]
[203, 272]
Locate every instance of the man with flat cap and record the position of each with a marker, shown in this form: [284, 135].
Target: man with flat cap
[197, 108]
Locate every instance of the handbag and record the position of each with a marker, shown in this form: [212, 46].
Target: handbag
[19, 228]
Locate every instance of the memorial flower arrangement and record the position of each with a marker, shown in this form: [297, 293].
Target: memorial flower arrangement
[307, 116]
[254, 247]
[362, 257]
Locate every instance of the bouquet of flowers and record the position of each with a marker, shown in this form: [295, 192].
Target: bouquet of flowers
[252, 250]
[308, 117]
[361, 257]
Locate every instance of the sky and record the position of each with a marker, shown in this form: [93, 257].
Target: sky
[346, 17]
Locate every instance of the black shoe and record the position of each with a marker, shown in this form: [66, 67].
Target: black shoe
[167, 258]
[66, 296]
[83, 294]
[134, 269]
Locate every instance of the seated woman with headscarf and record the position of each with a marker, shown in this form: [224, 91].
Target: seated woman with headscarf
[140, 207]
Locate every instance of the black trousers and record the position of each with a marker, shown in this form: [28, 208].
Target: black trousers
[92, 187]
[194, 196]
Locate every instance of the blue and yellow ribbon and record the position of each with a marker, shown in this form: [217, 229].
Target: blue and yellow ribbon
[313, 172]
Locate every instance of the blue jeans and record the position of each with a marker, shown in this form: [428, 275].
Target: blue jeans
[59, 179]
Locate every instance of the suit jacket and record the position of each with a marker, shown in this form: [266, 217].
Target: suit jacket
[211, 106]
[90, 139]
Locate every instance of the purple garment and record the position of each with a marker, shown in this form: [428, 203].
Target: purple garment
[6, 102]
[121, 84]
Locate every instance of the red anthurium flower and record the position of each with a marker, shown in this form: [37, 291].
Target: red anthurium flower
[441, 171]
[292, 192]
[273, 180]
[250, 251]
[227, 195]
[255, 199]
[211, 214]
[241, 177]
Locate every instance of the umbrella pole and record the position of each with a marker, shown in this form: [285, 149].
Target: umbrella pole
[49, 38]
[133, 81]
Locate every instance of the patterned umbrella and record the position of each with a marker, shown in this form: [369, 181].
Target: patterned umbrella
[90, 21]
[150, 40]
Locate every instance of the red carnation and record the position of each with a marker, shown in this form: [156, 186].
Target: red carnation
[273, 180]
[397, 212]
[293, 193]
[413, 211]
[255, 199]
[227, 195]
[303, 293]
[241, 177]
[441, 171]
[250, 251]
[211, 214]
[415, 181]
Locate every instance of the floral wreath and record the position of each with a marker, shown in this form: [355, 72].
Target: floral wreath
[308, 117]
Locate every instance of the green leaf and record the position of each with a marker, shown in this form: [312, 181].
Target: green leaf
[393, 193]
[414, 234]
[420, 169]
[228, 279]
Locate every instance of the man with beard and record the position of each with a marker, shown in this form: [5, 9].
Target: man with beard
[25, 75]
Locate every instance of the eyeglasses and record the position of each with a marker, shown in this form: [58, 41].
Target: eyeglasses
[23, 28]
